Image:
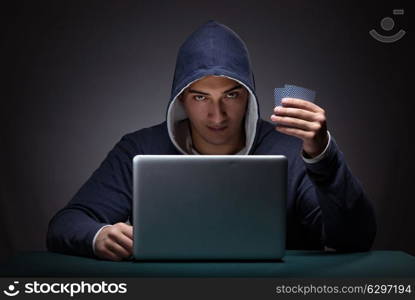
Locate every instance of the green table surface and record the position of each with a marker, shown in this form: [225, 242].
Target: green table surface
[373, 264]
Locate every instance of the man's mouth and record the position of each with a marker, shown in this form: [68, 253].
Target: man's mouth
[217, 129]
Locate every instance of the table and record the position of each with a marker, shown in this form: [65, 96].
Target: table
[295, 264]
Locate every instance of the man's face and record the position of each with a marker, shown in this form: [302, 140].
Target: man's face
[216, 109]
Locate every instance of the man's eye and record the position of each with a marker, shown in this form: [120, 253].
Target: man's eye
[232, 95]
[199, 97]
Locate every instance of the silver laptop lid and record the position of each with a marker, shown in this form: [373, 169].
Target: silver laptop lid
[209, 206]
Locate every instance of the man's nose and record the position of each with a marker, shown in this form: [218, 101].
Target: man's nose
[217, 113]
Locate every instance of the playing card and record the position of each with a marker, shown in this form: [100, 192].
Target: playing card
[293, 91]
[278, 92]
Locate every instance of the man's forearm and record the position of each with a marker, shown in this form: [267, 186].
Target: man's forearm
[71, 231]
[347, 215]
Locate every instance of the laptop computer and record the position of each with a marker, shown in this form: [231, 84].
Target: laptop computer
[209, 207]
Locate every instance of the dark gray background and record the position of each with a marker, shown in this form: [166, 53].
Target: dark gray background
[77, 75]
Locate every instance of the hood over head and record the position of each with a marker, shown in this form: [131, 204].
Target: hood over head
[213, 49]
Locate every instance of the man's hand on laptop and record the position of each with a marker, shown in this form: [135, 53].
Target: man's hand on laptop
[115, 242]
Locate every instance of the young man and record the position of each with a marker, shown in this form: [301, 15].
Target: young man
[213, 109]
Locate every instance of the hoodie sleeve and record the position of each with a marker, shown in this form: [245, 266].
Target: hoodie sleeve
[333, 205]
[104, 199]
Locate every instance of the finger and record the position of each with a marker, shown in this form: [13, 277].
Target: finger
[126, 229]
[125, 242]
[297, 123]
[104, 251]
[295, 112]
[117, 249]
[299, 103]
[116, 235]
[108, 254]
[301, 134]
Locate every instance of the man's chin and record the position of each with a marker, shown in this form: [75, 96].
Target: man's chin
[216, 141]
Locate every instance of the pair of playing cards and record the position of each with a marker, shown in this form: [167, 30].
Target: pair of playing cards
[293, 91]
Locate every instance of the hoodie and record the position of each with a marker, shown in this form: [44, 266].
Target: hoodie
[326, 204]
[213, 49]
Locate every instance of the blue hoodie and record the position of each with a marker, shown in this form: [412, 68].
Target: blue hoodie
[326, 205]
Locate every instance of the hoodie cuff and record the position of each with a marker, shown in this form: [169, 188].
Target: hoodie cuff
[318, 157]
[327, 165]
[95, 237]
